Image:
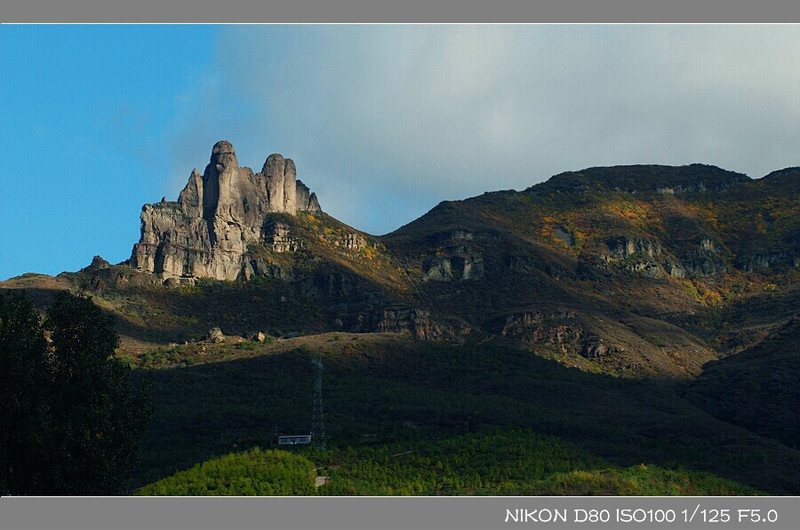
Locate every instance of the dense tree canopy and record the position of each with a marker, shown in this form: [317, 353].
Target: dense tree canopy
[70, 421]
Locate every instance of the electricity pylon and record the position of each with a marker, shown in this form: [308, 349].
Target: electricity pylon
[318, 421]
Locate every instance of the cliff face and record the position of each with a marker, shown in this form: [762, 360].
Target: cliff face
[206, 232]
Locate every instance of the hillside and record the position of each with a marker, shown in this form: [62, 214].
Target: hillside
[646, 314]
[759, 388]
[624, 270]
[388, 393]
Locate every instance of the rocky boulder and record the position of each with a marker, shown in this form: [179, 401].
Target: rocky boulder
[215, 335]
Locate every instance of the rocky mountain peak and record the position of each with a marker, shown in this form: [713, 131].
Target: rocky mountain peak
[223, 156]
[206, 232]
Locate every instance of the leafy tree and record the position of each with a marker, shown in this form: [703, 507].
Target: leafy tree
[23, 407]
[71, 421]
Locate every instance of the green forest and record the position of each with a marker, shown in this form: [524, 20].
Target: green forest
[492, 463]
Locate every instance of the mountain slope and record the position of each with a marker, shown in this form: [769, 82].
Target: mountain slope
[598, 264]
[631, 270]
[759, 388]
[683, 283]
[390, 390]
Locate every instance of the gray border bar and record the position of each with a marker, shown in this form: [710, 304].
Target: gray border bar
[464, 513]
[413, 11]
[395, 513]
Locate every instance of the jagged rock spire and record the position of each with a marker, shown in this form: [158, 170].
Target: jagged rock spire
[206, 232]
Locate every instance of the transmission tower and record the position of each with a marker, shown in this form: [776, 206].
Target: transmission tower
[318, 421]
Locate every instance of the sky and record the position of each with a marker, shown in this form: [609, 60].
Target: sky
[382, 121]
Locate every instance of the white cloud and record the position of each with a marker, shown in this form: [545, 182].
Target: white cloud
[398, 116]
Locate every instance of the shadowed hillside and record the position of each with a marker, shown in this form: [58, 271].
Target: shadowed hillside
[381, 389]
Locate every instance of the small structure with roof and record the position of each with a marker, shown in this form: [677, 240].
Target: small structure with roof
[294, 439]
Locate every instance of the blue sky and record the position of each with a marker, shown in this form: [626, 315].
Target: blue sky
[383, 122]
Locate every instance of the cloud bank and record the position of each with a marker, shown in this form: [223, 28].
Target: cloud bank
[386, 121]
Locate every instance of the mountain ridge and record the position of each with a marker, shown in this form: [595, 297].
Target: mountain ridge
[638, 248]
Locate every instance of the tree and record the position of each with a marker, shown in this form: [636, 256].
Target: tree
[23, 408]
[71, 420]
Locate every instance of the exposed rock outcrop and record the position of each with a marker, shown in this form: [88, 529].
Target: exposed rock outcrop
[98, 263]
[623, 247]
[456, 259]
[457, 267]
[416, 321]
[207, 231]
[559, 327]
[703, 258]
[647, 257]
[768, 260]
